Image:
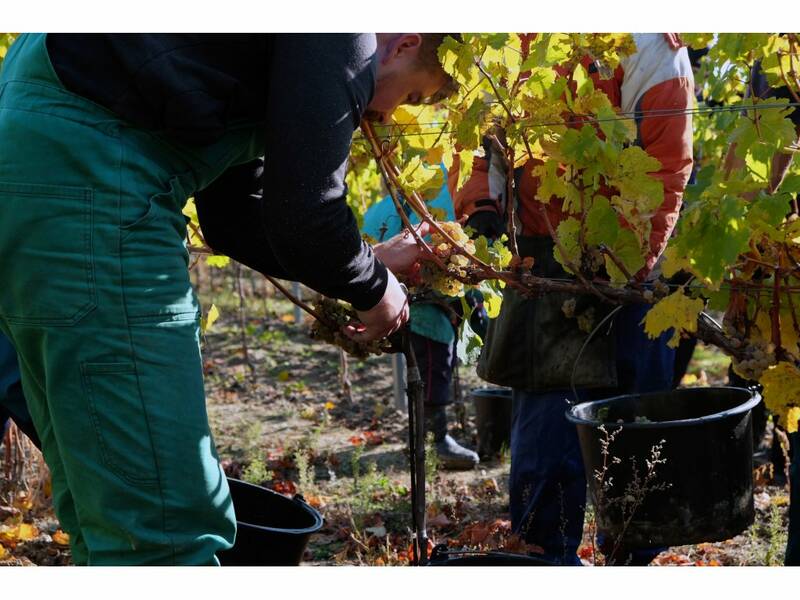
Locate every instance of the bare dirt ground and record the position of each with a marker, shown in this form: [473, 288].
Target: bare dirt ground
[287, 424]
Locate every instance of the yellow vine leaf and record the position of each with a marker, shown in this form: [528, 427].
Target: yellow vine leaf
[421, 178]
[677, 311]
[465, 159]
[218, 260]
[674, 262]
[697, 40]
[3, 552]
[492, 304]
[792, 419]
[208, 321]
[782, 388]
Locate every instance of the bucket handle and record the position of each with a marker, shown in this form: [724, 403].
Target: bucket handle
[580, 353]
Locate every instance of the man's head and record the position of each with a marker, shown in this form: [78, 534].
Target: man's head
[409, 72]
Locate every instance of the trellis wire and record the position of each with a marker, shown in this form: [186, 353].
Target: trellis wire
[634, 115]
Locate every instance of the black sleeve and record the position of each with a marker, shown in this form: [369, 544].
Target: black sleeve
[319, 87]
[229, 211]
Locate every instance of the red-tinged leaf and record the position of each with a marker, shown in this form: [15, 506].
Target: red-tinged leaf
[356, 440]
[516, 544]
[284, 486]
[478, 534]
[410, 551]
[314, 501]
[373, 438]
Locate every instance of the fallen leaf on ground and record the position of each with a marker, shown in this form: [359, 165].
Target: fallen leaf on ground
[61, 538]
[782, 500]
[490, 486]
[27, 532]
[284, 486]
[711, 563]
[315, 501]
[373, 438]
[439, 520]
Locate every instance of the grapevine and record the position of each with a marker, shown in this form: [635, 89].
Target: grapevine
[532, 98]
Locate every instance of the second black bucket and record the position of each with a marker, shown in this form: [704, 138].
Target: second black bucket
[271, 529]
[492, 419]
[702, 492]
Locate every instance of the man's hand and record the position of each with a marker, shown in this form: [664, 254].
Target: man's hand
[383, 319]
[399, 253]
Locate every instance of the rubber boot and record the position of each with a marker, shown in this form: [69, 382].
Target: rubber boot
[452, 456]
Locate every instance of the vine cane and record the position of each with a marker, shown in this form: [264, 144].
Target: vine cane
[416, 447]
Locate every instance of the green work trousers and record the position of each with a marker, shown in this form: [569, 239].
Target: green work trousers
[95, 296]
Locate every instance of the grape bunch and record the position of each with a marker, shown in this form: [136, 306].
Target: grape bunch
[446, 282]
[336, 315]
[759, 357]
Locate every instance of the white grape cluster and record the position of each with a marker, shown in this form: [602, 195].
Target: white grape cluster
[338, 315]
[759, 357]
[445, 282]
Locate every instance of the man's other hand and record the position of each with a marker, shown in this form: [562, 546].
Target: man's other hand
[399, 253]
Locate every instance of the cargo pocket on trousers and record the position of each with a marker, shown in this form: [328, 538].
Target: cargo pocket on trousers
[47, 267]
[120, 421]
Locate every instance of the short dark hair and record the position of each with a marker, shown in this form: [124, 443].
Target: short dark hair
[428, 58]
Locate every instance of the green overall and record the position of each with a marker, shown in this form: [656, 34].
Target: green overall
[96, 298]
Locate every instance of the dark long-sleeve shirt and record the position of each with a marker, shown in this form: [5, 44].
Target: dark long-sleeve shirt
[308, 92]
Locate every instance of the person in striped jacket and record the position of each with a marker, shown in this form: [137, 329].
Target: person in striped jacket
[532, 346]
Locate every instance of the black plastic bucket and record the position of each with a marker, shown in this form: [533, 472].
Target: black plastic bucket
[492, 419]
[708, 448]
[272, 530]
[443, 557]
